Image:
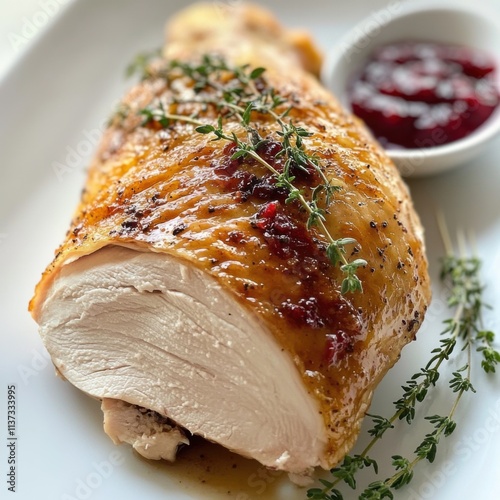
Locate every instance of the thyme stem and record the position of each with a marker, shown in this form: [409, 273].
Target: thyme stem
[239, 96]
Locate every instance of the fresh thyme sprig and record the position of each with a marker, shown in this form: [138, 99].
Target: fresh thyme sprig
[461, 274]
[238, 92]
[141, 64]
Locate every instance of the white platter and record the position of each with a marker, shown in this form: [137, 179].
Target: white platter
[53, 101]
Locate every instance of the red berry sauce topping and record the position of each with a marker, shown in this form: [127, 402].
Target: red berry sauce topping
[338, 344]
[286, 237]
[419, 95]
[337, 324]
[338, 319]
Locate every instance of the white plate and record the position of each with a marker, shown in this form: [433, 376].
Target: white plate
[54, 101]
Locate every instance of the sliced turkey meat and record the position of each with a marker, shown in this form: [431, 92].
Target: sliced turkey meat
[151, 330]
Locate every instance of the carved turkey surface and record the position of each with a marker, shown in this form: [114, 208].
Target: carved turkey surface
[190, 297]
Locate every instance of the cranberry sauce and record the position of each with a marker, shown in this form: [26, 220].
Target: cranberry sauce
[419, 95]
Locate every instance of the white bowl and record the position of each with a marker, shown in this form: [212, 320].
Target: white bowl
[444, 23]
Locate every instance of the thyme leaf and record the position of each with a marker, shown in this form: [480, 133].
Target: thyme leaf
[141, 64]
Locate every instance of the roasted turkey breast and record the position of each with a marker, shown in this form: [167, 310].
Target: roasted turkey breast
[188, 295]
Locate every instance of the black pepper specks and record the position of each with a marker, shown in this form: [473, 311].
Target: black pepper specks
[130, 224]
[412, 324]
[179, 228]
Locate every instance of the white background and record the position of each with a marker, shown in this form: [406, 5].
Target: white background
[61, 84]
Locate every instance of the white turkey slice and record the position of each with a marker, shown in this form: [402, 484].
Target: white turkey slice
[150, 330]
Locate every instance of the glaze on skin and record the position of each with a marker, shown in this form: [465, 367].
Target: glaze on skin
[174, 191]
